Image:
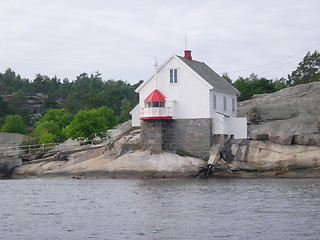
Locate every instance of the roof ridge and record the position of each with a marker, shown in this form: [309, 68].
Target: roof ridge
[210, 76]
[189, 60]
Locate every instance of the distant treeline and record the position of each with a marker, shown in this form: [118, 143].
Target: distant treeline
[308, 70]
[86, 92]
[92, 92]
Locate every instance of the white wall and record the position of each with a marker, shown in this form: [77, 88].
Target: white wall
[190, 95]
[135, 116]
[218, 124]
[238, 127]
[225, 121]
[229, 126]
[220, 104]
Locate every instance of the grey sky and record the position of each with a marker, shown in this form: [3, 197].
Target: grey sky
[121, 38]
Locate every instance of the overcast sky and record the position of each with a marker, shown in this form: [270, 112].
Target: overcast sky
[121, 38]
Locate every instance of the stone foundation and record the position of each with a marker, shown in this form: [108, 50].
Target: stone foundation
[157, 135]
[192, 136]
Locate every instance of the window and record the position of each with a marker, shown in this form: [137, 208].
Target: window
[214, 101]
[173, 75]
[154, 104]
[157, 104]
[224, 103]
[233, 105]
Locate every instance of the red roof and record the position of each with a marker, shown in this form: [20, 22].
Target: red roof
[155, 96]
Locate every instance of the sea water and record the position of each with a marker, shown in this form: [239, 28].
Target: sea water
[160, 209]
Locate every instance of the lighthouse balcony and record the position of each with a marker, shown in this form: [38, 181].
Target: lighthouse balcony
[155, 113]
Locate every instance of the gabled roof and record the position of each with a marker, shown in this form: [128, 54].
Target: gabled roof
[155, 96]
[158, 69]
[204, 71]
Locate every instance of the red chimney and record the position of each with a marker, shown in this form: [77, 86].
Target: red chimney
[187, 54]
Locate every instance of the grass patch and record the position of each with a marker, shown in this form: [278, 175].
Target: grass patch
[184, 154]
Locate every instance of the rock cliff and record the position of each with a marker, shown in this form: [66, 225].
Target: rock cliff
[289, 116]
[283, 140]
[123, 158]
[283, 131]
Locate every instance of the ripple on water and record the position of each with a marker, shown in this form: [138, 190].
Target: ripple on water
[160, 209]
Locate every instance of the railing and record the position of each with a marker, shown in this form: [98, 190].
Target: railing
[41, 148]
[56, 147]
[27, 149]
[156, 112]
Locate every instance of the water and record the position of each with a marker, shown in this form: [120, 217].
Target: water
[160, 209]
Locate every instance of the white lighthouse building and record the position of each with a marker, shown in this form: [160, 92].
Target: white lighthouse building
[188, 92]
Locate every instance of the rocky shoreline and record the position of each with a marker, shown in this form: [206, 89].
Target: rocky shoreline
[283, 141]
[137, 164]
[283, 135]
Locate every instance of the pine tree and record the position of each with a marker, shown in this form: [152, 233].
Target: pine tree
[308, 70]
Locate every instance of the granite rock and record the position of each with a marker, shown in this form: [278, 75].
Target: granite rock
[289, 116]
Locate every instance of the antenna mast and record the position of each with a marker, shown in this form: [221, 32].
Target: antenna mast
[185, 41]
[156, 67]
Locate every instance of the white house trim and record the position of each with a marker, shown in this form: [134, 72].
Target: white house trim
[135, 116]
[153, 75]
[196, 74]
[191, 97]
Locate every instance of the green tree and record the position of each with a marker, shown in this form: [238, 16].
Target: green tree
[253, 85]
[61, 116]
[18, 102]
[11, 82]
[116, 91]
[125, 110]
[280, 84]
[4, 110]
[90, 123]
[41, 84]
[4, 107]
[50, 127]
[86, 93]
[89, 91]
[64, 88]
[14, 124]
[18, 105]
[226, 77]
[136, 85]
[308, 70]
[108, 115]
[245, 88]
[46, 132]
[50, 102]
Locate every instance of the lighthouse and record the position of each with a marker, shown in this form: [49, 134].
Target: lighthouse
[155, 107]
[184, 105]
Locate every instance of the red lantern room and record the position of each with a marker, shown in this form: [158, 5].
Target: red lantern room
[155, 107]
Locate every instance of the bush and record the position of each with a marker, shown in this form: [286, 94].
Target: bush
[14, 124]
[90, 123]
[50, 128]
